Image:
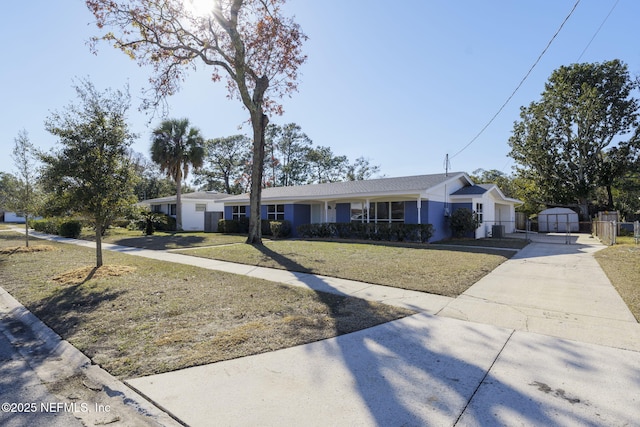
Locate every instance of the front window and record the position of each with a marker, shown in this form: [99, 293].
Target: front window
[397, 211]
[479, 212]
[238, 212]
[358, 212]
[275, 212]
[172, 209]
[387, 212]
[201, 207]
[156, 208]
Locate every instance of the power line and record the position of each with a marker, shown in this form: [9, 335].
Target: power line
[521, 81]
[598, 30]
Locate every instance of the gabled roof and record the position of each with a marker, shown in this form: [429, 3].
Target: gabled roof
[473, 190]
[401, 185]
[196, 195]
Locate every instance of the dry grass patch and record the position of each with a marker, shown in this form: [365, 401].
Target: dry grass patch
[162, 317]
[621, 263]
[25, 249]
[82, 274]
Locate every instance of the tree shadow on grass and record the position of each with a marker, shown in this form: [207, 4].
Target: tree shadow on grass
[422, 370]
[65, 310]
[161, 242]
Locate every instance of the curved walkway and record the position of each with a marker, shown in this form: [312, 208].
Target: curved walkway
[478, 362]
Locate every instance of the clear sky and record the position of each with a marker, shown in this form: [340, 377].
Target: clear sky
[402, 83]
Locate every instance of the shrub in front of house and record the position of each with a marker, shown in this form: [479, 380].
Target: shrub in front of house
[58, 226]
[70, 228]
[265, 225]
[463, 222]
[393, 232]
[280, 229]
[164, 222]
[233, 226]
[45, 225]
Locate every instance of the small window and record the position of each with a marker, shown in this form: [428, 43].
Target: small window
[275, 212]
[238, 212]
[172, 209]
[156, 208]
[201, 207]
[479, 213]
[397, 211]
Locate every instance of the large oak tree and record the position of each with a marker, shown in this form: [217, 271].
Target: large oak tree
[251, 42]
[565, 143]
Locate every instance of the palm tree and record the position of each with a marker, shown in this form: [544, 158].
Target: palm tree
[174, 147]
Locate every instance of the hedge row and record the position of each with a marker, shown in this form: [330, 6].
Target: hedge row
[396, 232]
[60, 226]
[276, 229]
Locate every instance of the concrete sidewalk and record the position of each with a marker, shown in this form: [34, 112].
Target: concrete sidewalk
[488, 369]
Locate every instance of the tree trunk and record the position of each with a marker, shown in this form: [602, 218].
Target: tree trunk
[98, 245]
[26, 230]
[178, 204]
[609, 197]
[259, 122]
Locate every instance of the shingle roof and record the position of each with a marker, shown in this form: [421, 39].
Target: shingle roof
[405, 184]
[473, 190]
[196, 195]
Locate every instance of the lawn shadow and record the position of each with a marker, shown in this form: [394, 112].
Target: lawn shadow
[67, 306]
[419, 370]
[160, 242]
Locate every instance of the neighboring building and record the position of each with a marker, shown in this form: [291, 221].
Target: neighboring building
[201, 210]
[422, 199]
[558, 220]
[11, 217]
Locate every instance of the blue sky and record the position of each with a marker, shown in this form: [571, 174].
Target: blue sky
[402, 83]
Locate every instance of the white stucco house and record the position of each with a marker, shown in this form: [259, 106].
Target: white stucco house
[201, 210]
[421, 199]
[11, 217]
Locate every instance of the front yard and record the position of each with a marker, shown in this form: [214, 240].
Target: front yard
[158, 317]
[161, 316]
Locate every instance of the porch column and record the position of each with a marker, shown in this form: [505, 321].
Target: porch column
[326, 211]
[368, 212]
[419, 210]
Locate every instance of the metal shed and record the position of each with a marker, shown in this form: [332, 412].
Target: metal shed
[558, 220]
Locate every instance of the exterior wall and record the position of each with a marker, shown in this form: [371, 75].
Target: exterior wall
[343, 212]
[435, 217]
[411, 212]
[298, 215]
[192, 220]
[13, 217]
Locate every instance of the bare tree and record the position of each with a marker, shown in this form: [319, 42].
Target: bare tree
[249, 41]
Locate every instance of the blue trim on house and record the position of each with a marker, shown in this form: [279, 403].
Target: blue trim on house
[435, 217]
[411, 212]
[297, 215]
[343, 212]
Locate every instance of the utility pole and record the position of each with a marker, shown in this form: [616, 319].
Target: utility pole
[447, 165]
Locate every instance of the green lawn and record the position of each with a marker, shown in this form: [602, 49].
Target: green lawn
[442, 270]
